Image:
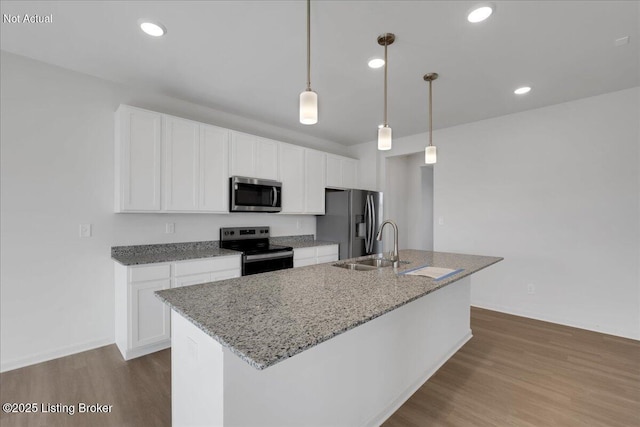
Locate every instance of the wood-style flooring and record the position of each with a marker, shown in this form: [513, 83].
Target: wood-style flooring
[514, 372]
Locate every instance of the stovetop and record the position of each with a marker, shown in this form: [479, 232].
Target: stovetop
[249, 240]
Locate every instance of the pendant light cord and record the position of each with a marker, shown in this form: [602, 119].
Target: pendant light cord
[430, 116]
[385, 84]
[308, 44]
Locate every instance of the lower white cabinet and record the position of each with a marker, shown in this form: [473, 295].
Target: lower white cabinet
[314, 255]
[143, 323]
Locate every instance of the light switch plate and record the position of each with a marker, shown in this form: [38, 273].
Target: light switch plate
[170, 228]
[85, 230]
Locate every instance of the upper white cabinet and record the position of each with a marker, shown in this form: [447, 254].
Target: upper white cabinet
[181, 146]
[315, 181]
[302, 172]
[138, 160]
[195, 167]
[169, 164]
[292, 177]
[342, 172]
[253, 156]
[214, 169]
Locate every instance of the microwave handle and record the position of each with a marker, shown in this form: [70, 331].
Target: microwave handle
[274, 192]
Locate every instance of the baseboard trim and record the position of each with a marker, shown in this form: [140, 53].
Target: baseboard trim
[404, 396]
[54, 354]
[563, 322]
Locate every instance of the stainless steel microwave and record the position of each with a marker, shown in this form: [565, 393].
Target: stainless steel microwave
[254, 195]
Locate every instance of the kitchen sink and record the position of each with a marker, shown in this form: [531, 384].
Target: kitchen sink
[376, 262]
[372, 262]
[354, 266]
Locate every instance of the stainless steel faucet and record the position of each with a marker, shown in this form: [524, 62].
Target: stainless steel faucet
[396, 256]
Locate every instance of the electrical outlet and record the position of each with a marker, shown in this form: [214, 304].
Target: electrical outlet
[170, 228]
[85, 230]
[531, 289]
[298, 224]
[441, 220]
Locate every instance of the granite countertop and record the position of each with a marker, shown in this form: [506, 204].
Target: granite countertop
[299, 242]
[168, 252]
[150, 254]
[269, 317]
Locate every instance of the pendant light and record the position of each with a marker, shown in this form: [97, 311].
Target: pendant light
[430, 157]
[384, 132]
[308, 98]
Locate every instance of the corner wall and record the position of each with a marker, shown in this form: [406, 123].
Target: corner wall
[57, 148]
[556, 192]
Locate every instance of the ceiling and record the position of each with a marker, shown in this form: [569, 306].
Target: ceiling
[248, 57]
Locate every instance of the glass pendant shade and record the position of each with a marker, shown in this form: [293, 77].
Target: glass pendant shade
[430, 156]
[384, 138]
[308, 107]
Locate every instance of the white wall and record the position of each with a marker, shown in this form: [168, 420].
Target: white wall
[408, 200]
[556, 191]
[57, 144]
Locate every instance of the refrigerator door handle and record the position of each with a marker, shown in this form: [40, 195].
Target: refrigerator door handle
[370, 223]
[367, 226]
[372, 211]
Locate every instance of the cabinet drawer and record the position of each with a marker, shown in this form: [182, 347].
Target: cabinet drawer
[302, 253]
[327, 258]
[327, 250]
[303, 262]
[153, 272]
[195, 279]
[207, 265]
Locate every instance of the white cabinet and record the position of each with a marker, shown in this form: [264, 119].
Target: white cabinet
[195, 167]
[205, 270]
[181, 146]
[214, 169]
[315, 181]
[253, 156]
[315, 255]
[149, 316]
[137, 160]
[142, 320]
[342, 172]
[292, 177]
[302, 172]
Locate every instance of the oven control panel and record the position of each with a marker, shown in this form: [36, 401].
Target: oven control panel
[243, 233]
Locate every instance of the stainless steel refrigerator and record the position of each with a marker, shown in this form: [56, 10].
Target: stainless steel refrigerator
[352, 219]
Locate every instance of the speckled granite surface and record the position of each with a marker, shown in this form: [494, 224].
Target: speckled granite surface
[149, 254]
[167, 252]
[297, 242]
[269, 317]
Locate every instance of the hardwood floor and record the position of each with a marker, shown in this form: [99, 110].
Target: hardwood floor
[514, 372]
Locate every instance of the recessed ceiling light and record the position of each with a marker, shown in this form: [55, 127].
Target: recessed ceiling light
[376, 63]
[154, 29]
[480, 12]
[522, 90]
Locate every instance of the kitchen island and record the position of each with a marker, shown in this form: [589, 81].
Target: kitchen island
[318, 345]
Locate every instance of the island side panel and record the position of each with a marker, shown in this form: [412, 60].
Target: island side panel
[196, 376]
[358, 378]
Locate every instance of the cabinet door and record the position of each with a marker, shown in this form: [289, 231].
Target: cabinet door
[292, 161]
[349, 173]
[214, 173]
[314, 181]
[242, 156]
[334, 171]
[266, 160]
[149, 316]
[138, 160]
[181, 166]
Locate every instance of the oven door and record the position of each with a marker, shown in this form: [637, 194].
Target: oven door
[254, 195]
[261, 263]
